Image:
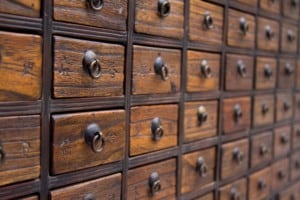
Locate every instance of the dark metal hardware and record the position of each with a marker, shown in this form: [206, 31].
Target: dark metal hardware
[201, 167]
[91, 64]
[94, 137]
[208, 21]
[298, 132]
[297, 164]
[96, 4]
[262, 184]
[241, 68]
[205, 69]
[238, 155]
[294, 3]
[263, 150]
[265, 108]
[268, 71]
[163, 8]
[244, 26]
[2, 155]
[286, 106]
[288, 69]
[284, 139]
[269, 32]
[238, 114]
[156, 129]
[234, 194]
[291, 35]
[154, 183]
[202, 114]
[89, 197]
[281, 174]
[161, 69]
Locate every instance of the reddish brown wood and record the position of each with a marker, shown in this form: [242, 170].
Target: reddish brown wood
[251, 3]
[240, 186]
[260, 184]
[296, 136]
[286, 44]
[297, 106]
[283, 113]
[262, 41]
[280, 173]
[262, 81]
[290, 192]
[263, 111]
[270, 6]
[289, 10]
[261, 148]
[295, 165]
[209, 196]
[282, 141]
[286, 80]
[30, 8]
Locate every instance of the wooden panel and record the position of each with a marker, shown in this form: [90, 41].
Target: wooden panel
[280, 173]
[261, 148]
[260, 184]
[138, 181]
[72, 80]
[252, 3]
[209, 196]
[195, 129]
[270, 6]
[286, 44]
[296, 136]
[290, 193]
[262, 79]
[113, 14]
[282, 140]
[284, 105]
[19, 148]
[148, 21]
[286, 78]
[262, 40]
[297, 106]
[238, 186]
[69, 149]
[198, 32]
[30, 198]
[290, 10]
[141, 136]
[263, 111]
[298, 73]
[29, 8]
[20, 67]
[145, 80]
[197, 79]
[103, 188]
[295, 173]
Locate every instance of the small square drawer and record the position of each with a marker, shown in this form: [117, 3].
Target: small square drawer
[200, 120]
[154, 181]
[239, 72]
[289, 37]
[234, 158]
[19, 148]
[241, 29]
[155, 70]
[296, 136]
[203, 71]
[235, 190]
[290, 193]
[198, 170]
[209, 196]
[153, 128]
[236, 114]
[251, 3]
[272, 6]
[280, 173]
[103, 188]
[206, 23]
[268, 34]
[298, 73]
[30, 8]
[20, 66]
[108, 15]
[282, 140]
[284, 105]
[266, 73]
[263, 111]
[160, 17]
[260, 184]
[286, 73]
[261, 148]
[291, 8]
[87, 69]
[295, 165]
[87, 139]
[297, 106]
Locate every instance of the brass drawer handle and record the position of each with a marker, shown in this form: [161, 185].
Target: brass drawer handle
[2, 155]
[263, 150]
[288, 69]
[238, 155]
[161, 69]
[281, 174]
[265, 108]
[157, 129]
[234, 194]
[154, 183]
[94, 138]
[269, 32]
[262, 184]
[202, 115]
[238, 114]
[268, 71]
[208, 21]
[286, 106]
[205, 69]
[291, 36]
[294, 3]
[96, 4]
[284, 139]
[91, 64]
[89, 197]
[244, 26]
[201, 167]
[241, 68]
[163, 8]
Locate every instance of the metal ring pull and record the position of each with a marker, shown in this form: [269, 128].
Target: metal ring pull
[263, 150]
[269, 32]
[161, 69]
[241, 68]
[89, 197]
[288, 69]
[262, 184]
[156, 129]
[238, 155]
[234, 194]
[94, 138]
[208, 21]
[284, 139]
[238, 114]
[281, 174]
[91, 64]
[291, 35]
[2, 155]
[268, 71]
[202, 115]
[163, 8]
[265, 108]
[286, 106]
[96, 4]
[244, 26]
[201, 167]
[154, 183]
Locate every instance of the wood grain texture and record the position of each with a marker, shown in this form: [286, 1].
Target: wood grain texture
[239, 185]
[281, 148]
[262, 81]
[197, 30]
[30, 198]
[20, 67]
[262, 41]
[138, 186]
[255, 192]
[29, 8]
[257, 142]
[144, 78]
[286, 45]
[196, 80]
[70, 151]
[193, 130]
[296, 136]
[298, 74]
[113, 14]
[260, 117]
[281, 113]
[20, 142]
[270, 6]
[252, 3]
[286, 80]
[209, 196]
[234, 80]
[289, 10]
[191, 179]
[140, 128]
[148, 21]
[295, 159]
[276, 167]
[106, 188]
[297, 106]
[292, 190]
[70, 78]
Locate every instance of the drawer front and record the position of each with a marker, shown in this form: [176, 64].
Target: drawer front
[295, 173]
[86, 69]
[261, 148]
[290, 9]
[155, 70]
[209, 196]
[296, 136]
[297, 106]
[252, 3]
[153, 16]
[268, 35]
[241, 29]
[234, 158]
[103, 188]
[87, 139]
[153, 128]
[286, 73]
[20, 67]
[260, 184]
[270, 6]
[154, 181]
[236, 114]
[292, 192]
[198, 170]
[19, 148]
[239, 72]
[282, 140]
[235, 190]
[280, 173]
[284, 105]
[263, 111]
[206, 22]
[30, 198]
[203, 71]
[298, 73]
[108, 15]
[29, 8]
[289, 38]
[200, 120]
[266, 73]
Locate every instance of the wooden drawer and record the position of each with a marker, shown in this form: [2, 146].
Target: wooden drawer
[263, 111]
[270, 6]
[286, 73]
[87, 69]
[260, 184]
[268, 34]
[239, 72]
[87, 139]
[252, 3]
[291, 8]
[280, 173]
[261, 148]
[30, 198]
[289, 38]
[266, 73]
[20, 67]
[103, 14]
[161, 18]
[297, 106]
[29, 8]
[295, 173]
[200, 120]
[236, 114]
[154, 181]
[203, 71]
[298, 73]
[284, 105]
[241, 29]
[103, 188]
[212, 26]
[155, 70]
[153, 128]
[234, 158]
[198, 170]
[296, 136]
[19, 148]
[235, 190]
[292, 192]
[209, 196]
[282, 140]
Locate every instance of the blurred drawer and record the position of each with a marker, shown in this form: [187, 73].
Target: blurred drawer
[296, 136]
[251, 3]
[260, 184]
[263, 111]
[290, 193]
[266, 73]
[272, 6]
[235, 190]
[30, 198]
[284, 105]
[261, 148]
[295, 173]
[297, 106]
[280, 173]
[29, 8]
[286, 73]
[291, 8]
[268, 34]
[282, 140]
[289, 37]
[298, 73]
[209, 196]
